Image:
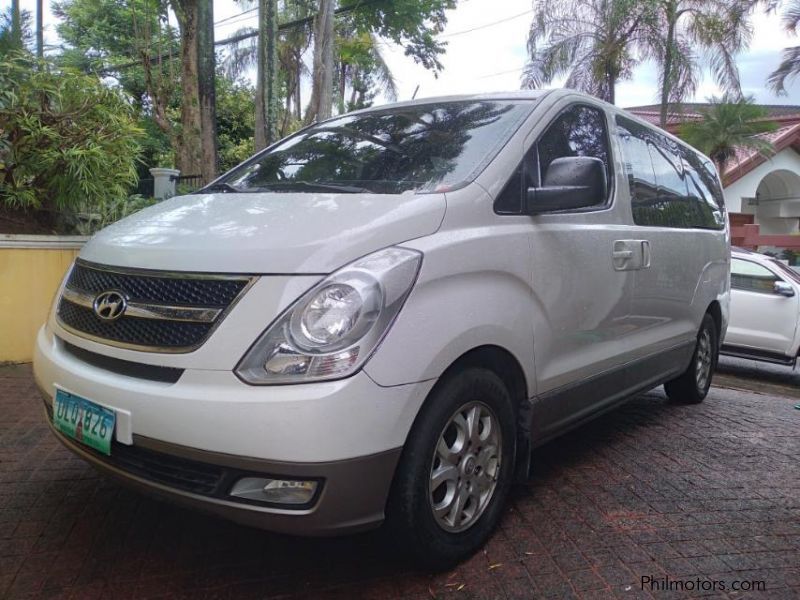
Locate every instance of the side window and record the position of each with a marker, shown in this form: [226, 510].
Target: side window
[509, 200]
[703, 189]
[578, 131]
[752, 277]
[670, 185]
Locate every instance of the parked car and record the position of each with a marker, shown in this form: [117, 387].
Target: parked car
[765, 309]
[379, 316]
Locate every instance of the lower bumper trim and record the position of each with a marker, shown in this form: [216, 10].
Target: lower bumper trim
[352, 497]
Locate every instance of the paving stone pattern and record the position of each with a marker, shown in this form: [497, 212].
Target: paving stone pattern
[685, 494]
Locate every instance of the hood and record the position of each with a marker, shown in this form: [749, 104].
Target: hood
[265, 233]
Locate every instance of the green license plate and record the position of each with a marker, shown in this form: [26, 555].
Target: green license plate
[85, 421]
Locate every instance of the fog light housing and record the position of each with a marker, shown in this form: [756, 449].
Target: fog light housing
[275, 491]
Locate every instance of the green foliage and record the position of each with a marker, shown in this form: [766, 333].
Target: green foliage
[689, 33]
[412, 24]
[102, 34]
[235, 121]
[65, 139]
[8, 43]
[92, 219]
[595, 43]
[726, 125]
[789, 67]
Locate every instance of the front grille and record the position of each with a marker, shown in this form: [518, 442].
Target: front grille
[125, 367]
[137, 332]
[149, 290]
[144, 287]
[173, 471]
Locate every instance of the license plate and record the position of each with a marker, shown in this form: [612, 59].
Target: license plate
[83, 420]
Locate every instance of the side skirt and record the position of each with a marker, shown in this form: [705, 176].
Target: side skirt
[558, 411]
[762, 355]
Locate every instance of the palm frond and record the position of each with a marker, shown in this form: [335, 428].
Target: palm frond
[383, 73]
[787, 70]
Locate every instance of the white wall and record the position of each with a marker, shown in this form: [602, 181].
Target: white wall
[775, 217]
[746, 186]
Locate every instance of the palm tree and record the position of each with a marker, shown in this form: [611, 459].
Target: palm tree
[727, 124]
[790, 63]
[718, 28]
[595, 43]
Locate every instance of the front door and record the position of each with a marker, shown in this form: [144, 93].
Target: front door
[760, 319]
[582, 271]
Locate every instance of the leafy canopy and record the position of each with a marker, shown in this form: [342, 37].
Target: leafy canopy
[65, 138]
[727, 124]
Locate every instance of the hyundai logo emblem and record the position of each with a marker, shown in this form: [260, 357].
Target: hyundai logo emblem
[110, 305]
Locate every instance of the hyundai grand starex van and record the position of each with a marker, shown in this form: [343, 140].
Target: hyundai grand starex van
[378, 317]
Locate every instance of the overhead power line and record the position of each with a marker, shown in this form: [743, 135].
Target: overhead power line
[484, 26]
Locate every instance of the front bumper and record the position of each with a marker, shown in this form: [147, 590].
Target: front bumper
[346, 434]
[352, 496]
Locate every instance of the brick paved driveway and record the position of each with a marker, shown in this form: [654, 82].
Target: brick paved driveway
[709, 492]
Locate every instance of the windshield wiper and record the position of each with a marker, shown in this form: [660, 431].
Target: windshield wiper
[317, 185]
[220, 186]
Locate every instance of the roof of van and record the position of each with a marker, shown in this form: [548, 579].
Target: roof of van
[514, 95]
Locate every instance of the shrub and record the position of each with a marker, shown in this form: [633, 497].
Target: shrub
[68, 143]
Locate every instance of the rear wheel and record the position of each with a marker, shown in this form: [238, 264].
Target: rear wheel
[455, 471]
[692, 386]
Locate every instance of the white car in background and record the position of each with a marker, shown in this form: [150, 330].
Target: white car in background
[765, 309]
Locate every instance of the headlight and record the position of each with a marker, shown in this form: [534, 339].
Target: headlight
[333, 328]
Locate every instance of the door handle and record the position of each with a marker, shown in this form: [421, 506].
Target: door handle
[622, 254]
[645, 254]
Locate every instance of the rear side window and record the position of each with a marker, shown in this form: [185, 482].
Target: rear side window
[671, 186]
[752, 277]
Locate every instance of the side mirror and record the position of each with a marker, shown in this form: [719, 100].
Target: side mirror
[570, 182]
[783, 289]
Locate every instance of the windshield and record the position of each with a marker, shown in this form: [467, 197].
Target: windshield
[787, 271]
[424, 148]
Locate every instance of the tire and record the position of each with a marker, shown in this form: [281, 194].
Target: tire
[692, 386]
[424, 516]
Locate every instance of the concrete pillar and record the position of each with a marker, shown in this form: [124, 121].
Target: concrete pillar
[164, 182]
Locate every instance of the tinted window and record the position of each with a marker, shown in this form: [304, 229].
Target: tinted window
[671, 186]
[509, 200]
[578, 131]
[750, 276]
[421, 147]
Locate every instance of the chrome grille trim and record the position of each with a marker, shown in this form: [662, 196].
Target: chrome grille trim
[150, 311]
[142, 310]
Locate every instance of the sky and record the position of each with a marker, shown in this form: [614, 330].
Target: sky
[486, 52]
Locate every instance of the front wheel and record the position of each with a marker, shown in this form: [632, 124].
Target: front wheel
[692, 386]
[455, 471]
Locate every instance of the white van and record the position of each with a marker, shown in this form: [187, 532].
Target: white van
[379, 316]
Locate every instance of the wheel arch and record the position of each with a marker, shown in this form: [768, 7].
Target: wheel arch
[715, 310]
[506, 366]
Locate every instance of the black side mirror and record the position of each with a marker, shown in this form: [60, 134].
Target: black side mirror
[783, 289]
[570, 182]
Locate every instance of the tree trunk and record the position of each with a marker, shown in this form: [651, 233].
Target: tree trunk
[16, 24]
[612, 91]
[40, 28]
[342, 85]
[320, 106]
[267, 75]
[206, 89]
[298, 76]
[188, 151]
[667, 74]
